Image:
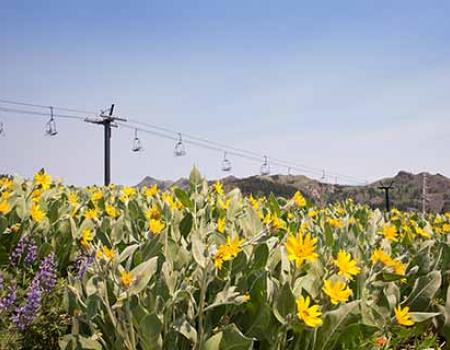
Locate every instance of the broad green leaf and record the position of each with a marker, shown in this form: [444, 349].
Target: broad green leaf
[142, 274]
[423, 316]
[425, 287]
[332, 321]
[230, 338]
[183, 197]
[186, 224]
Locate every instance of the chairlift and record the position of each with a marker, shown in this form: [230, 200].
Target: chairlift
[226, 164]
[265, 168]
[2, 129]
[179, 150]
[323, 177]
[137, 144]
[50, 126]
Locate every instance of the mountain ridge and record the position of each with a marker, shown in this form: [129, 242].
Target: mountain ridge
[406, 194]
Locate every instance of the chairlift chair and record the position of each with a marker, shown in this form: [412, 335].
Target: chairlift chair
[137, 144]
[179, 150]
[50, 126]
[2, 129]
[226, 164]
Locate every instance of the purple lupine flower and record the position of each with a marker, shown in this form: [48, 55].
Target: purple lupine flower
[8, 300]
[18, 251]
[25, 315]
[82, 263]
[46, 274]
[30, 258]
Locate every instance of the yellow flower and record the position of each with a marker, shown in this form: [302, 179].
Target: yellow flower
[43, 179]
[308, 314]
[421, 232]
[224, 204]
[111, 211]
[380, 255]
[129, 191]
[153, 213]
[37, 214]
[312, 213]
[337, 291]
[232, 248]
[254, 202]
[73, 199]
[339, 210]
[126, 278]
[246, 297]
[156, 226]
[105, 253]
[86, 237]
[5, 207]
[300, 249]
[227, 251]
[335, 223]
[446, 228]
[6, 183]
[5, 195]
[389, 232]
[221, 225]
[91, 213]
[277, 223]
[298, 199]
[170, 201]
[36, 195]
[151, 191]
[347, 266]
[218, 260]
[218, 187]
[96, 194]
[403, 316]
[398, 266]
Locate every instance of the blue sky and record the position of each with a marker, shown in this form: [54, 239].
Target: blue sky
[357, 87]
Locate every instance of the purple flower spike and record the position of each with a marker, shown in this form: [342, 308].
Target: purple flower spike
[30, 258]
[82, 263]
[8, 300]
[47, 273]
[25, 315]
[18, 251]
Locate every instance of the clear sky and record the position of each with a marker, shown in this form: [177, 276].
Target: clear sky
[359, 87]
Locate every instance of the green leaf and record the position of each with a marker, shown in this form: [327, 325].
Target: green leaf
[127, 252]
[195, 178]
[183, 197]
[198, 251]
[261, 256]
[285, 303]
[149, 331]
[142, 274]
[186, 224]
[424, 289]
[332, 322]
[89, 343]
[183, 327]
[423, 316]
[230, 338]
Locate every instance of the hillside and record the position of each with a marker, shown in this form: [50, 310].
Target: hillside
[406, 195]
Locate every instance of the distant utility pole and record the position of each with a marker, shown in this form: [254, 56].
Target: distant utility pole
[108, 121]
[386, 189]
[424, 193]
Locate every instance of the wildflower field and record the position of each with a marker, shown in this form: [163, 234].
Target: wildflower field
[127, 268]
